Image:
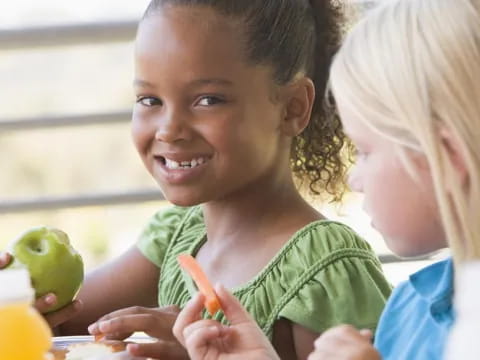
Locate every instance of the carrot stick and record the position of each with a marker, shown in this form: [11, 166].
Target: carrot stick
[191, 266]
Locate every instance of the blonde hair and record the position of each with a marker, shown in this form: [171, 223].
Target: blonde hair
[410, 70]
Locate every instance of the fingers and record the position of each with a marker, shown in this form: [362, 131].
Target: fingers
[5, 259]
[64, 314]
[367, 334]
[94, 328]
[205, 332]
[44, 303]
[122, 323]
[158, 350]
[344, 341]
[232, 308]
[123, 326]
[189, 314]
[188, 320]
[169, 312]
[338, 335]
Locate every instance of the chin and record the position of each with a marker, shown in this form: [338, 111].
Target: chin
[399, 248]
[185, 200]
[401, 252]
[407, 254]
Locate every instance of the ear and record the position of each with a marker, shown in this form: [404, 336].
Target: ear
[299, 98]
[456, 153]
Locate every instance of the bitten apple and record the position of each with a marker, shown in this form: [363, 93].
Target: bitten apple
[54, 265]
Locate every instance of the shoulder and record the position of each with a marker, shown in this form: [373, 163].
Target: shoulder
[424, 288]
[166, 223]
[325, 242]
[165, 227]
[418, 316]
[399, 307]
[325, 250]
[326, 275]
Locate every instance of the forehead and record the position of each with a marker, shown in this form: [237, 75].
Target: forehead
[193, 37]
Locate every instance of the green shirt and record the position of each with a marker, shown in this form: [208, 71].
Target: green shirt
[325, 275]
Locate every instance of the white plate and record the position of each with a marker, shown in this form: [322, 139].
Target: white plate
[61, 342]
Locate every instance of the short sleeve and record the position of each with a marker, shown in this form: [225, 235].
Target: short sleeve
[158, 233]
[345, 287]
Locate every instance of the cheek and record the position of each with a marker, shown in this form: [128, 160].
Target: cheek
[230, 136]
[403, 211]
[355, 181]
[386, 198]
[141, 135]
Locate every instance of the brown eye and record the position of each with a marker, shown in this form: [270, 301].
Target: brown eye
[149, 101]
[210, 100]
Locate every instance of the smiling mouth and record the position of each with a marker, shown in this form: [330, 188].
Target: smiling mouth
[183, 165]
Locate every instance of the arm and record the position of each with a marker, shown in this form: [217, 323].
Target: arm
[303, 339]
[292, 341]
[128, 280]
[131, 283]
[103, 291]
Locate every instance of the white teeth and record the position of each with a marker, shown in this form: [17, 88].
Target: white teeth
[171, 164]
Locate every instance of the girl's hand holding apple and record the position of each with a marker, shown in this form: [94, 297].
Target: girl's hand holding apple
[55, 267]
[45, 303]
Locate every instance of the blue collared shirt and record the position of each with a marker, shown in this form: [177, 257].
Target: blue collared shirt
[417, 318]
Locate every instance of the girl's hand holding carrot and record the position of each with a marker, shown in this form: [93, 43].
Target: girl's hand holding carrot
[210, 340]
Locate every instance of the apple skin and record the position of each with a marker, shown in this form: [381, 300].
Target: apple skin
[54, 265]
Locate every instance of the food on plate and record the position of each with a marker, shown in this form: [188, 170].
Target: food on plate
[93, 350]
[88, 350]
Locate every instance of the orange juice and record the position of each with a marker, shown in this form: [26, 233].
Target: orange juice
[24, 333]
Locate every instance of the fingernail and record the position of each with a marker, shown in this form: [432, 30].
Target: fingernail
[103, 326]
[50, 299]
[93, 328]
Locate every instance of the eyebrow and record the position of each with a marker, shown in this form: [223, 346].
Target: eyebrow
[212, 81]
[197, 82]
[142, 83]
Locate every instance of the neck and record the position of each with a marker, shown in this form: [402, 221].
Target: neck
[250, 211]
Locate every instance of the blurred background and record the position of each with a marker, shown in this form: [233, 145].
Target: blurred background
[67, 159]
[63, 84]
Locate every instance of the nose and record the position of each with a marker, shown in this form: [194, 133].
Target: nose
[354, 180]
[171, 127]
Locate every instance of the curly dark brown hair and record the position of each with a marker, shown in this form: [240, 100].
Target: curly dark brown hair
[321, 154]
[296, 36]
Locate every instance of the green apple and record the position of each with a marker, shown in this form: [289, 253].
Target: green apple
[54, 265]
